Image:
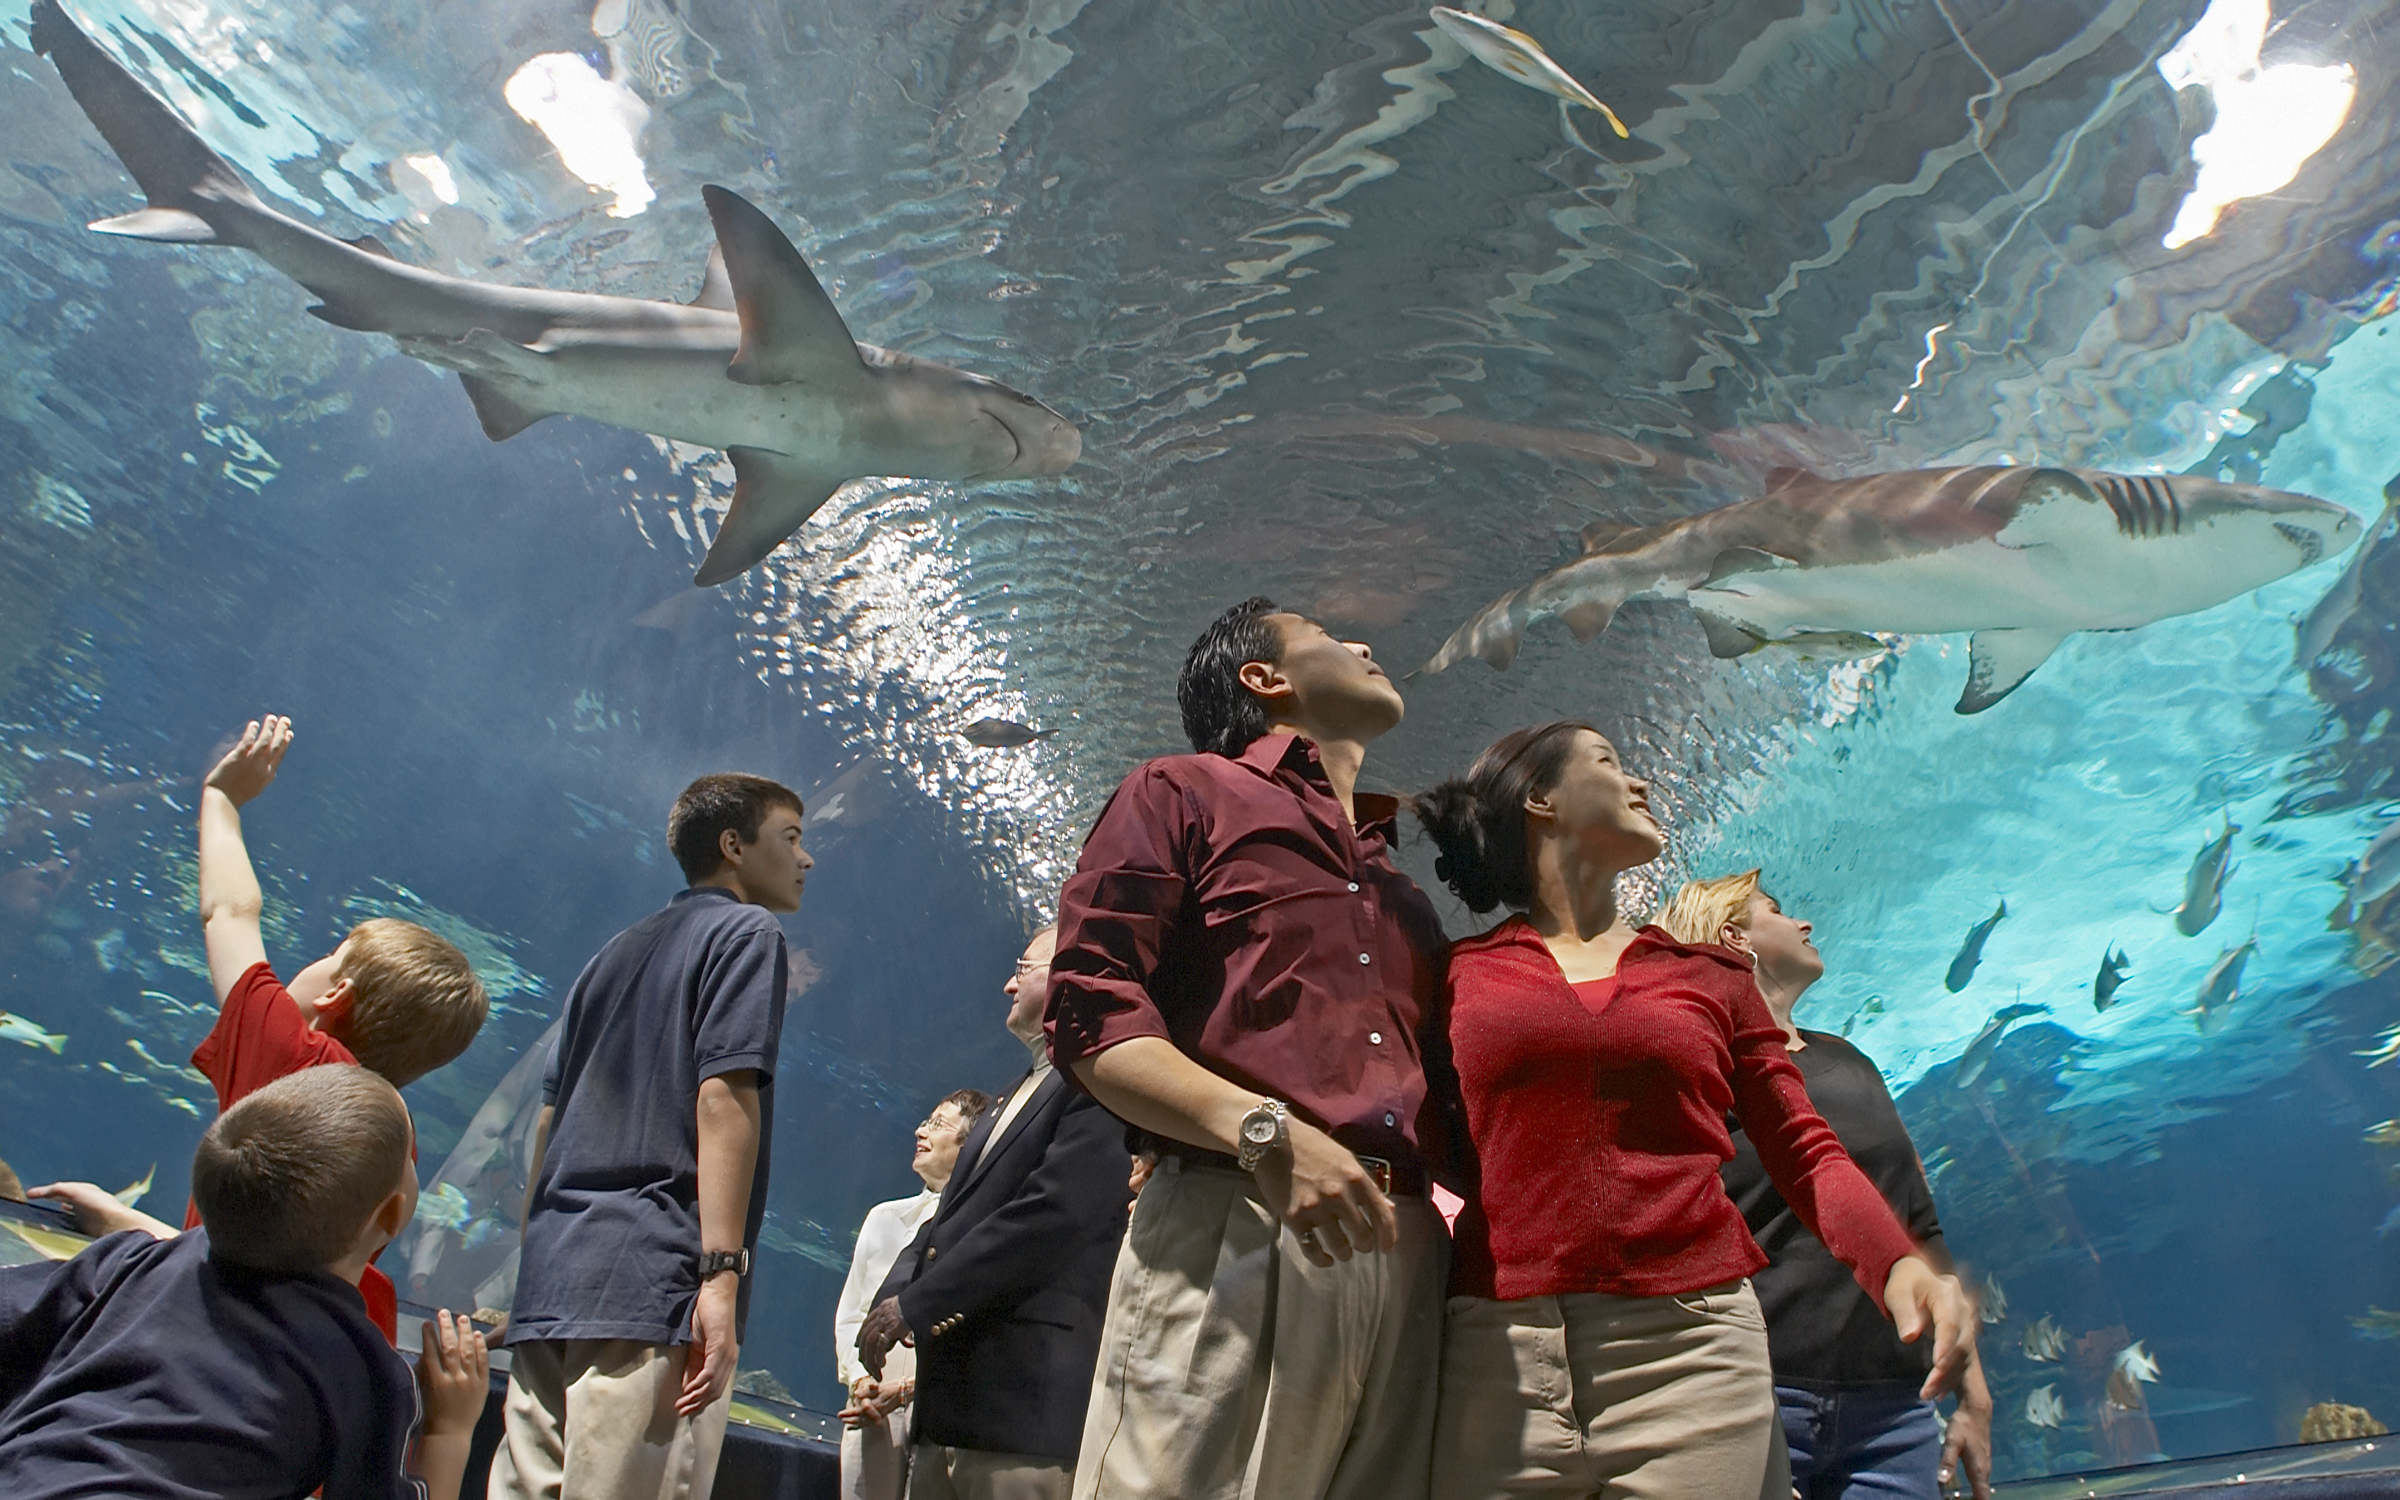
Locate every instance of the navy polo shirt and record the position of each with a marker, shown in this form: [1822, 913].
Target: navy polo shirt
[143, 1368]
[612, 1244]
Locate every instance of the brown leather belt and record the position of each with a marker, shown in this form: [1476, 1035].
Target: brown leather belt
[1404, 1179]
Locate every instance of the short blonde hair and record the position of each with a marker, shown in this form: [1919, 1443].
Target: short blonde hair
[415, 1002]
[1698, 912]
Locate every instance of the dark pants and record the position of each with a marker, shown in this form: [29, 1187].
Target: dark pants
[1851, 1442]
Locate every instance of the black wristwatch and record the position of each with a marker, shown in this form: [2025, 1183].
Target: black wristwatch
[715, 1261]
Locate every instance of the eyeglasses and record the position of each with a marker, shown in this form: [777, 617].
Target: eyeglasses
[935, 1125]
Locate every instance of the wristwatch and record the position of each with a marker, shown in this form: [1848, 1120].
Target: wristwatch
[1261, 1132]
[715, 1261]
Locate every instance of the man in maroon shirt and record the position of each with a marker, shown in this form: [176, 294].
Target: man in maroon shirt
[1244, 976]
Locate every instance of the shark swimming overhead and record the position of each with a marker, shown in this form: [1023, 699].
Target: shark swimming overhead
[2022, 557]
[760, 364]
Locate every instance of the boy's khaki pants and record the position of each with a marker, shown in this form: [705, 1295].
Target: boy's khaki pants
[594, 1419]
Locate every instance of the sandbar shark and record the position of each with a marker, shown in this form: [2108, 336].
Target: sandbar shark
[2021, 556]
[759, 364]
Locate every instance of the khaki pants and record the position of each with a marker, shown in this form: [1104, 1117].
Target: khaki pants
[1232, 1369]
[939, 1473]
[875, 1459]
[594, 1419]
[1627, 1398]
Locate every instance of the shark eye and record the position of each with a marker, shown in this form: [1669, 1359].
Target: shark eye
[2311, 545]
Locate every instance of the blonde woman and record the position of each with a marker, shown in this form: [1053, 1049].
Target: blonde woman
[1850, 1393]
[1602, 1339]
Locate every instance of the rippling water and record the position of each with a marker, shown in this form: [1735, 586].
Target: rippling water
[1348, 319]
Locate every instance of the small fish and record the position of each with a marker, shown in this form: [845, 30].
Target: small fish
[2127, 1374]
[445, 1208]
[2204, 886]
[1995, 1301]
[132, 1193]
[2045, 1341]
[177, 1101]
[1978, 1055]
[2374, 876]
[2386, 1048]
[2325, 621]
[1002, 734]
[50, 1244]
[2223, 985]
[2383, 1133]
[1970, 952]
[2113, 967]
[2376, 1323]
[18, 1029]
[2044, 1409]
[1512, 52]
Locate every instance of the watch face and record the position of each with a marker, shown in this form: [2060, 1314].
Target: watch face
[1259, 1130]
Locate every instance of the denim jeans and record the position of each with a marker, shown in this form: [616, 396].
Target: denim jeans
[1851, 1442]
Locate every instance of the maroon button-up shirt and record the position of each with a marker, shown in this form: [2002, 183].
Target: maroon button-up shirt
[1226, 904]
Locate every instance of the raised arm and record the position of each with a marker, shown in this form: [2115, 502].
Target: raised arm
[230, 900]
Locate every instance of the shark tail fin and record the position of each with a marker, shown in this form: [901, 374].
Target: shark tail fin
[177, 171]
[790, 329]
[1726, 640]
[1493, 634]
[772, 496]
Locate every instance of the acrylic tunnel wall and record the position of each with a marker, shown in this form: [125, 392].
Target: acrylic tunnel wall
[1945, 445]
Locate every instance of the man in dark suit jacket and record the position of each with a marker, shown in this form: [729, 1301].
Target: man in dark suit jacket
[1006, 1285]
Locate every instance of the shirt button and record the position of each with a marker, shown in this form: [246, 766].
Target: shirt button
[1391, 1120]
[1362, 958]
[1354, 885]
[1376, 1037]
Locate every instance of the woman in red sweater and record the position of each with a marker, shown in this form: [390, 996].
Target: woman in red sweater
[1603, 1339]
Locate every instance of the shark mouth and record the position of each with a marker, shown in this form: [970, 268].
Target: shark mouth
[2311, 545]
[2144, 506]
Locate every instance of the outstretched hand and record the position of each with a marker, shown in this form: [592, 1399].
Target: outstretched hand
[95, 1211]
[454, 1370]
[250, 765]
[1921, 1299]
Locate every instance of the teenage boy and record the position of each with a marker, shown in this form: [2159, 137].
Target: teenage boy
[650, 1170]
[393, 998]
[237, 1359]
[1243, 974]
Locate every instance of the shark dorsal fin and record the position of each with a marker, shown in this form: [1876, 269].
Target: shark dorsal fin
[1600, 533]
[1736, 560]
[372, 246]
[790, 330]
[716, 288]
[1786, 475]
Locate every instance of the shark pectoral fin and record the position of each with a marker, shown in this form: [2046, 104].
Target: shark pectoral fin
[772, 496]
[503, 415]
[1588, 617]
[790, 330]
[716, 288]
[1735, 561]
[1726, 640]
[2000, 659]
[171, 226]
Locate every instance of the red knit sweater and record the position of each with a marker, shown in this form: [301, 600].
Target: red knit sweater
[1598, 1118]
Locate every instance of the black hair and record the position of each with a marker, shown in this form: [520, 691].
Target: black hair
[713, 804]
[1220, 716]
[1478, 820]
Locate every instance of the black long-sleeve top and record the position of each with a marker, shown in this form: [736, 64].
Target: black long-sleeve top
[1821, 1329]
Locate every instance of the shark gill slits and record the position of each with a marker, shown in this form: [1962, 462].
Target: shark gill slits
[2123, 505]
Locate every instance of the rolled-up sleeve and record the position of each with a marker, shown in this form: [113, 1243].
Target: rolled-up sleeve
[1121, 909]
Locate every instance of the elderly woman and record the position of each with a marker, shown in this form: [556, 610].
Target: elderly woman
[1602, 1338]
[1851, 1394]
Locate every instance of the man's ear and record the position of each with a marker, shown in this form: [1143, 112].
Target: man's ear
[1264, 679]
[729, 846]
[390, 1217]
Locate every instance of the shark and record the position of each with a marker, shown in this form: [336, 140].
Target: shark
[2020, 556]
[759, 363]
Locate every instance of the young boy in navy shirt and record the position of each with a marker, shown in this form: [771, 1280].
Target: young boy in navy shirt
[650, 1170]
[237, 1360]
[394, 998]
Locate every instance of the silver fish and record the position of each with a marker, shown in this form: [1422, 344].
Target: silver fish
[2326, 619]
[1978, 1055]
[760, 364]
[2132, 1369]
[2204, 885]
[1002, 734]
[2375, 875]
[2023, 557]
[1504, 49]
[1970, 952]
[18, 1029]
[2044, 1409]
[2045, 1341]
[1994, 1301]
[2223, 984]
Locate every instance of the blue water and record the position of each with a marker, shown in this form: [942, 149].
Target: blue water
[1347, 318]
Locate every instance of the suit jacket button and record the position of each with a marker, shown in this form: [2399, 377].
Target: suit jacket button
[931, 1252]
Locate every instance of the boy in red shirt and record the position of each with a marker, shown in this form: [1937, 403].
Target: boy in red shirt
[394, 998]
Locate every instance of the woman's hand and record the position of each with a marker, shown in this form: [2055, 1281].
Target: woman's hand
[1919, 1298]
